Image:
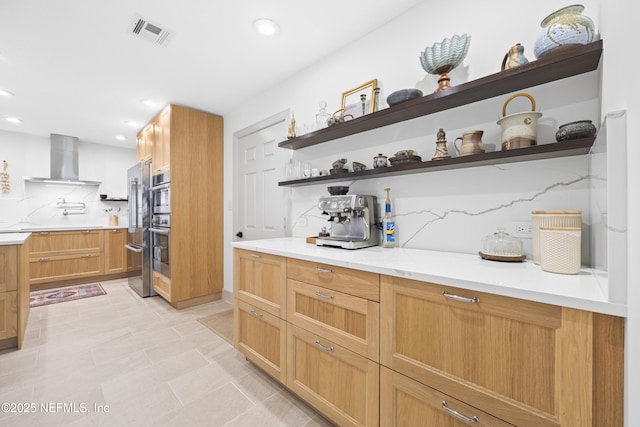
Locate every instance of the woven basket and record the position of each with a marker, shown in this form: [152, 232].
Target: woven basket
[552, 219]
[560, 249]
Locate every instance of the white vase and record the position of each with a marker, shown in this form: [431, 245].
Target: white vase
[564, 27]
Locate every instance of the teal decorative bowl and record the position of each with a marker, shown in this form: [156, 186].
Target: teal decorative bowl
[445, 56]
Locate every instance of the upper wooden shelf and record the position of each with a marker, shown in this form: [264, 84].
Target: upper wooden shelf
[565, 63]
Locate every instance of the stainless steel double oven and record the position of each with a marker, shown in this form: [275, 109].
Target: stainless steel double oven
[161, 224]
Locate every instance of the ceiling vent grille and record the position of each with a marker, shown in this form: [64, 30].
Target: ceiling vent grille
[153, 32]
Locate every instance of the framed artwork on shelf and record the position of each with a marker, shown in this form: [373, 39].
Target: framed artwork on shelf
[361, 100]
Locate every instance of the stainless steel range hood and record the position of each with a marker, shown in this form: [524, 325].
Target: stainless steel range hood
[64, 162]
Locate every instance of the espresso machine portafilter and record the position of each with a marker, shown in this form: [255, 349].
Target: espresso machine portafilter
[352, 221]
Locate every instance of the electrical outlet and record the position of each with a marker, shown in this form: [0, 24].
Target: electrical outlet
[522, 229]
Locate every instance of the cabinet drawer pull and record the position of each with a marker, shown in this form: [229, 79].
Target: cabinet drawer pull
[256, 314]
[473, 300]
[43, 233]
[324, 270]
[44, 259]
[459, 415]
[86, 255]
[115, 231]
[255, 256]
[323, 348]
[321, 295]
[86, 231]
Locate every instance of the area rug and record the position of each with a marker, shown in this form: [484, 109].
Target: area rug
[54, 296]
[221, 323]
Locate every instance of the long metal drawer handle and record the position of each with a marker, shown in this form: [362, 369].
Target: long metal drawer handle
[321, 295]
[323, 348]
[459, 415]
[43, 259]
[160, 231]
[86, 255]
[133, 248]
[256, 314]
[324, 270]
[44, 233]
[473, 300]
[255, 256]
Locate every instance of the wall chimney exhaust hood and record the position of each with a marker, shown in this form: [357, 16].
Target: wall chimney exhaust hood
[64, 162]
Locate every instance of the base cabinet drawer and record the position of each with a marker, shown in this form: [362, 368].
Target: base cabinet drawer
[55, 268]
[48, 242]
[341, 384]
[354, 282]
[348, 320]
[262, 338]
[407, 403]
[261, 280]
[162, 285]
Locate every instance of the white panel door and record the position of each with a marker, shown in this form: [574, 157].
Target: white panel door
[259, 211]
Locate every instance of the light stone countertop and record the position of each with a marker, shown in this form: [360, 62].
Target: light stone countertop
[13, 238]
[23, 228]
[524, 280]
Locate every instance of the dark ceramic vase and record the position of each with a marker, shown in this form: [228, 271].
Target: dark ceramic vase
[575, 130]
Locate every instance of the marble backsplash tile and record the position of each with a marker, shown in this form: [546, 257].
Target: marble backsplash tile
[453, 210]
[42, 205]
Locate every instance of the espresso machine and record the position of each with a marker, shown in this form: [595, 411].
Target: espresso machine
[353, 221]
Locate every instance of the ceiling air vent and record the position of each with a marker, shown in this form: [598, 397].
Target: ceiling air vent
[153, 32]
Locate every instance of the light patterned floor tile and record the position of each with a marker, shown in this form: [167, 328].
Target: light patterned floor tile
[140, 362]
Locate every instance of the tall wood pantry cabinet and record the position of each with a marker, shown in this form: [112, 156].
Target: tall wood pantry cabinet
[188, 144]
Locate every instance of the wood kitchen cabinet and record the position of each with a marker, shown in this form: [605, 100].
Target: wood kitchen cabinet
[189, 144]
[145, 142]
[115, 254]
[407, 403]
[14, 294]
[260, 309]
[332, 340]
[63, 255]
[161, 152]
[341, 384]
[525, 363]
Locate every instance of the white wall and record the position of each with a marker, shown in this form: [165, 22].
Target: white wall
[391, 55]
[34, 204]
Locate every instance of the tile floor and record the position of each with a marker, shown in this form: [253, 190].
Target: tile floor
[121, 360]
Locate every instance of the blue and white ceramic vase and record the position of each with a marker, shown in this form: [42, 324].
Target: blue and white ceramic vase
[564, 27]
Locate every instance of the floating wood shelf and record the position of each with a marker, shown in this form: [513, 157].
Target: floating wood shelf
[537, 152]
[566, 63]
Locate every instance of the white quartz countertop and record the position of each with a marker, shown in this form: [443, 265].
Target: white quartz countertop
[37, 228]
[524, 280]
[13, 238]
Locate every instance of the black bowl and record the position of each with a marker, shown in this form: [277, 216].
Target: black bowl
[403, 95]
[338, 190]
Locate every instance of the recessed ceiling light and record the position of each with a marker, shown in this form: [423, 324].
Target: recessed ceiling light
[149, 103]
[132, 123]
[121, 138]
[13, 120]
[266, 27]
[5, 93]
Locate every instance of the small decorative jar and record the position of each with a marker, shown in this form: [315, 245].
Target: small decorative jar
[566, 26]
[380, 161]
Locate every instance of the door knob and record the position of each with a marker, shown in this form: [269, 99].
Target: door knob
[239, 234]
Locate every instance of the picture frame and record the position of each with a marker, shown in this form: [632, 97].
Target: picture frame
[352, 102]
